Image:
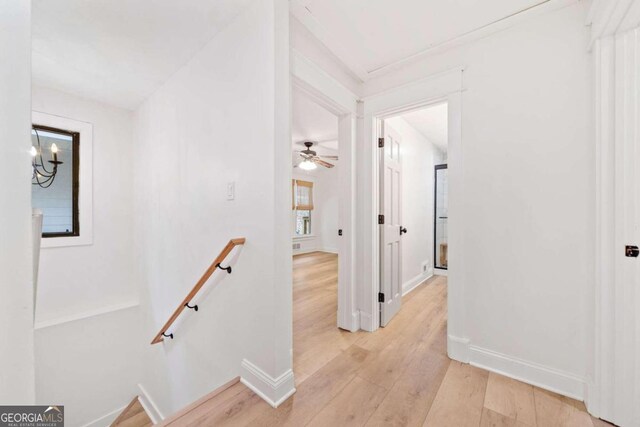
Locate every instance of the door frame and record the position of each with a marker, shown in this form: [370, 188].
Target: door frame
[443, 87]
[308, 78]
[614, 127]
[608, 392]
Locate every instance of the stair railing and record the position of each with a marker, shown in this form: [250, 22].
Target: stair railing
[217, 264]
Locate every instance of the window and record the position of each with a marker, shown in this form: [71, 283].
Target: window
[55, 180]
[303, 223]
[302, 206]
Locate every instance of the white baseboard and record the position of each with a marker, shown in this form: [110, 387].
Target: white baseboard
[440, 272]
[355, 321]
[304, 251]
[329, 250]
[532, 373]
[458, 348]
[410, 285]
[149, 405]
[310, 250]
[105, 420]
[551, 379]
[592, 400]
[274, 391]
[366, 322]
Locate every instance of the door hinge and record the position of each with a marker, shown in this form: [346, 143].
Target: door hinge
[380, 219]
[340, 232]
[380, 142]
[380, 297]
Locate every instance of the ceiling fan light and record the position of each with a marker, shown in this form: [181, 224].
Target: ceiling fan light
[307, 165]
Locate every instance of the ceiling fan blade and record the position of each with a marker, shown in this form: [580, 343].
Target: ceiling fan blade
[323, 163]
[329, 157]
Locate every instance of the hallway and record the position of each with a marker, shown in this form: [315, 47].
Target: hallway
[399, 375]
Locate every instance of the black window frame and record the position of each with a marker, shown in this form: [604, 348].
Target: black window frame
[435, 213]
[75, 180]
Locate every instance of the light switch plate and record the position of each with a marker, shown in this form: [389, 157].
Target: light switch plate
[231, 190]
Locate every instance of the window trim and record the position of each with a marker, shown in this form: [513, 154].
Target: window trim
[85, 178]
[75, 180]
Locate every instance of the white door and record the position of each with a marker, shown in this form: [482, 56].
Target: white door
[391, 227]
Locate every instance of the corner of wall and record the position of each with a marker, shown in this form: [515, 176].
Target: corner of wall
[149, 405]
[273, 390]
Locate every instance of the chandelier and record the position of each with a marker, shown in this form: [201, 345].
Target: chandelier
[41, 175]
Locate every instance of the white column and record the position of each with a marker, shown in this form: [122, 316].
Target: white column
[16, 291]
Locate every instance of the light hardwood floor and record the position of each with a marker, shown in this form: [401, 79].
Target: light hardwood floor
[397, 376]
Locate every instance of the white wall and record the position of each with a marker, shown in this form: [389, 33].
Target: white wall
[16, 290]
[418, 159]
[215, 121]
[91, 365]
[528, 189]
[324, 217]
[81, 279]
[87, 344]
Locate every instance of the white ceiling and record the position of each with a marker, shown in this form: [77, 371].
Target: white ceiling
[311, 122]
[431, 123]
[369, 35]
[120, 51]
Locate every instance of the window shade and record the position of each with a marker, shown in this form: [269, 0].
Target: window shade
[302, 195]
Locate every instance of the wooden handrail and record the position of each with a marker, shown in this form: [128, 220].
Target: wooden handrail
[227, 249]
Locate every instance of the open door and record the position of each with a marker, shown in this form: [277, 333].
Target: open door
[390, 222]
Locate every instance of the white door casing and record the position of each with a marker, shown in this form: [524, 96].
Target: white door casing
[627, 278]
[442, 87]
[390, 235]
[613, 391]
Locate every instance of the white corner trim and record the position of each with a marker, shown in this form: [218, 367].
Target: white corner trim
[551, 379]
[274, 391]
[86, 315]
[366, 322]
[355, 321]
[501, 24]
[106, 419]
[149, 405]
[458, 348]
[410, 285]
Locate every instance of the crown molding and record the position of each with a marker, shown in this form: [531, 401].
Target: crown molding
[304, 15]
[608, 17]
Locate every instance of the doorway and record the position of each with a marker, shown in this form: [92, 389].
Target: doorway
[412, 203]
[444, 88]
[320, 229]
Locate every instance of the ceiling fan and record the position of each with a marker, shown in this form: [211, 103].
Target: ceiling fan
[311, 160]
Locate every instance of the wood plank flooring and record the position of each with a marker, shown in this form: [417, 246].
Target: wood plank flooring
[397, 376]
